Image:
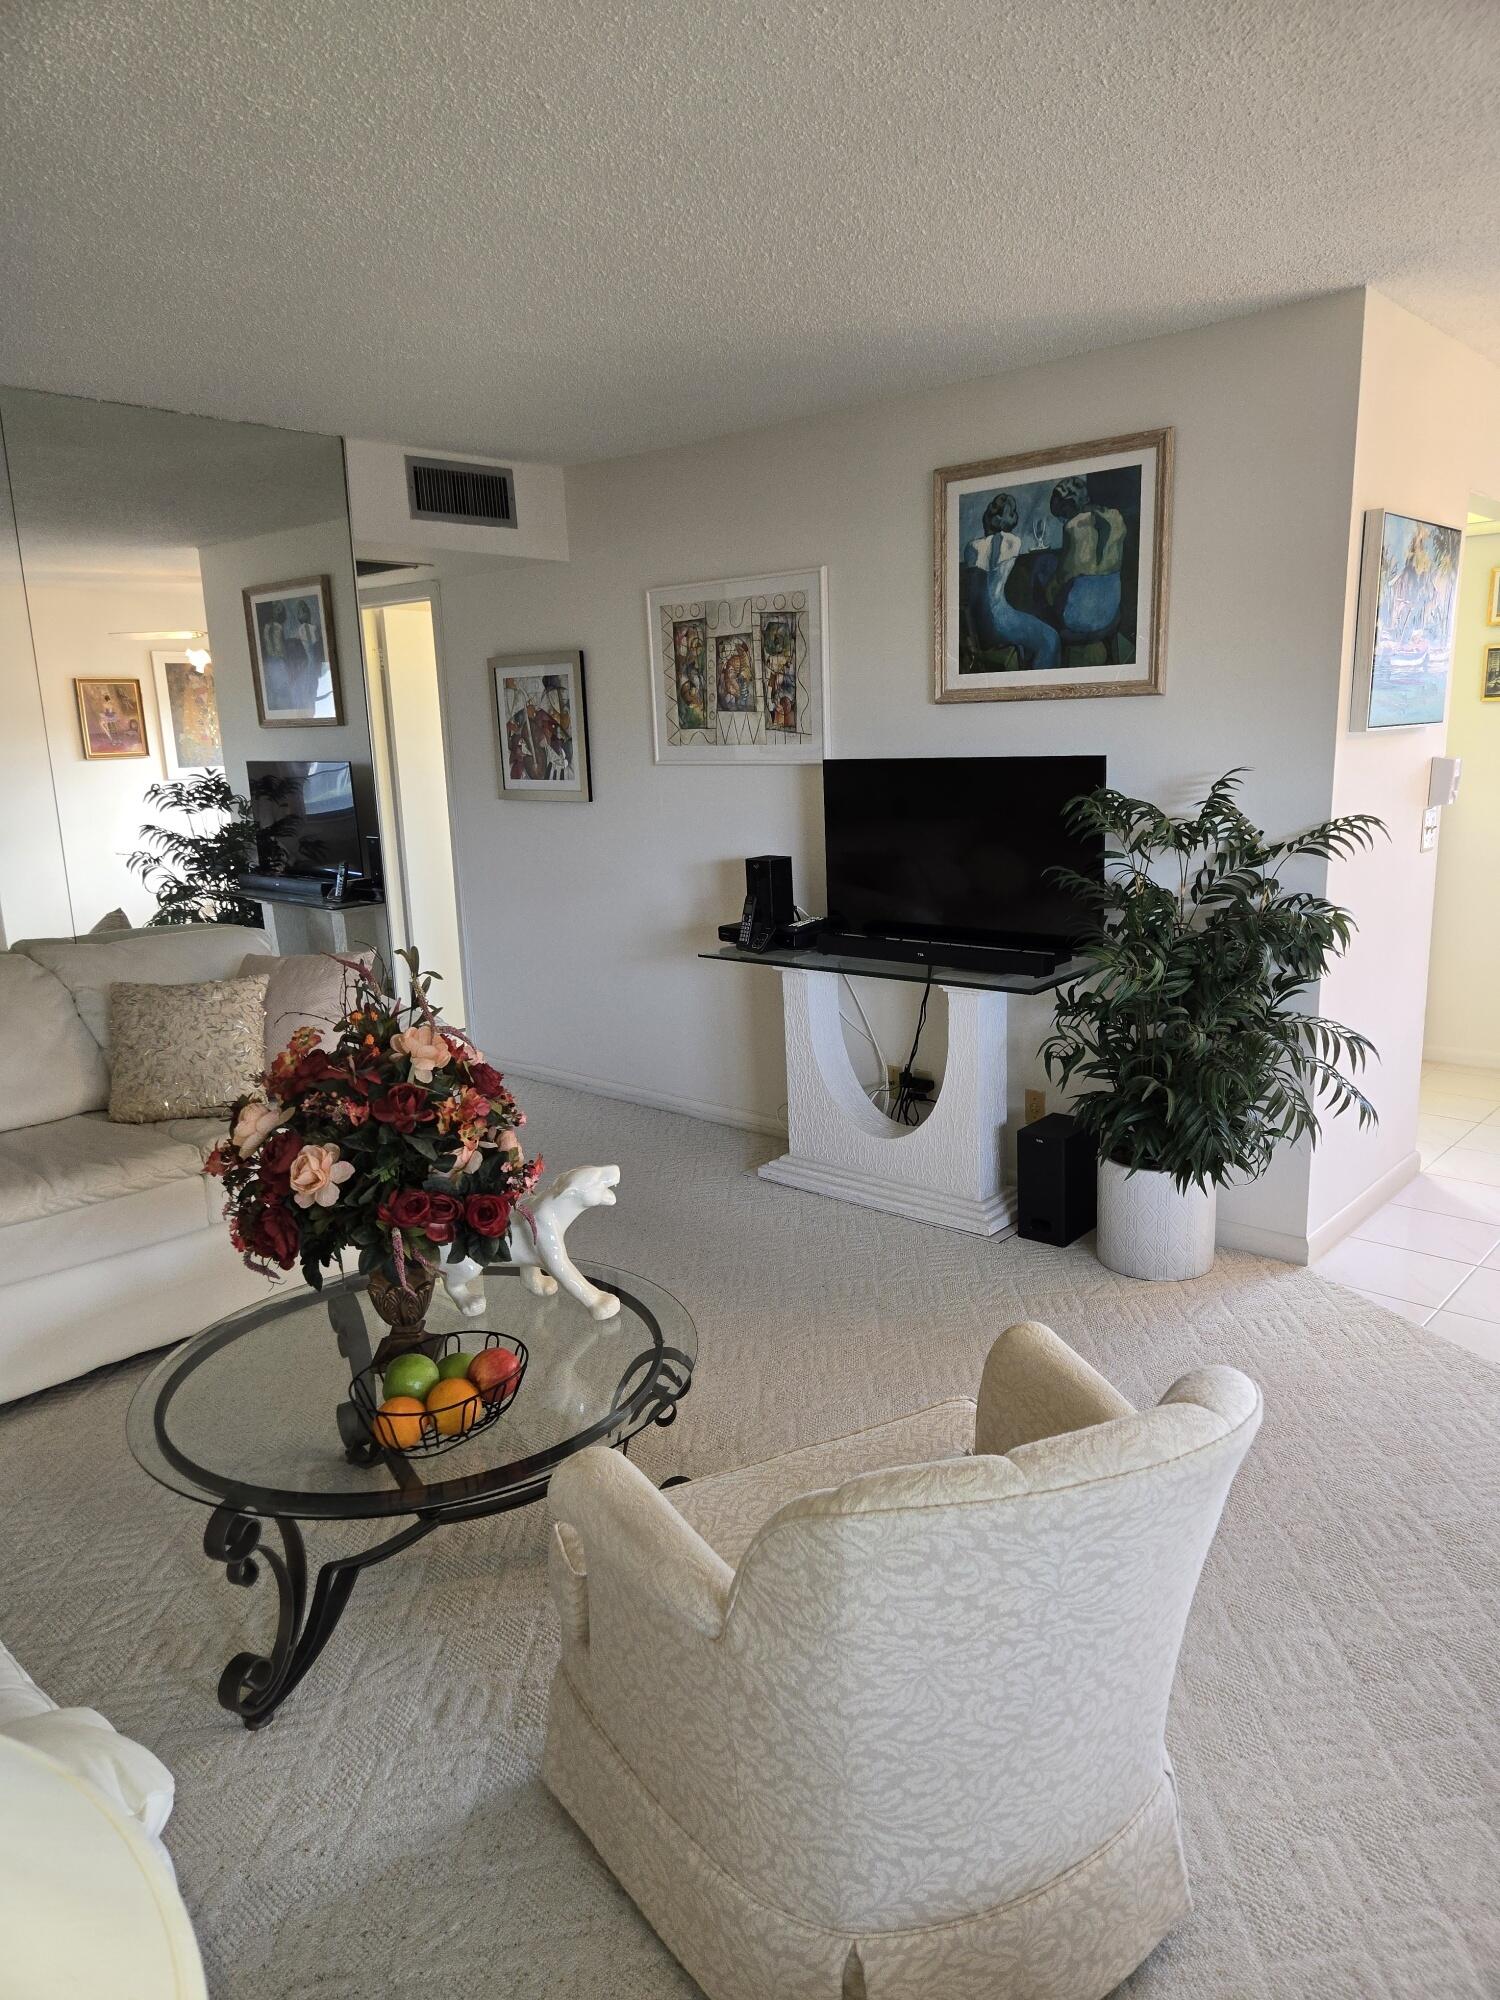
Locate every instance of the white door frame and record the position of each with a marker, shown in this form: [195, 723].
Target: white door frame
[375, 597]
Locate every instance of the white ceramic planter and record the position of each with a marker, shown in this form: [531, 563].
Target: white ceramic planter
[1149, 1229]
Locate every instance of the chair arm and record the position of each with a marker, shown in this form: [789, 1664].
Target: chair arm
[609, 1516]
[1034, 1386]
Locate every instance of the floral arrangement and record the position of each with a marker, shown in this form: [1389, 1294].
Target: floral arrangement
[397, 1141]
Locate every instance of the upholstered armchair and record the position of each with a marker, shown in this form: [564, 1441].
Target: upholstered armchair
[884, 1717]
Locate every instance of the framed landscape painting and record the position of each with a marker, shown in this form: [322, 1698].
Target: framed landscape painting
[293, 658]
[111, 719]
[543, 723]
[189, 714]
[739, 669]
[1408, 600]
[1050, 571]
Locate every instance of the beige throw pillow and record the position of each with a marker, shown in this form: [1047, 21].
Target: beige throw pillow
[183, 1051]
[307, 990]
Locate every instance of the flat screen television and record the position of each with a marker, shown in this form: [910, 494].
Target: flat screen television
[957, 848]
[305, 817]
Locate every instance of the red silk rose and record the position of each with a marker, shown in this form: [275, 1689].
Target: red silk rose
[274, 1234]
[408, 1208]
[488, 1215]
[443, 1215]
[404, 1107]
[486, 1079]
[275, 1160]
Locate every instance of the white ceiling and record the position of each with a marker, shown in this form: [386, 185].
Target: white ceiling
[574, 228]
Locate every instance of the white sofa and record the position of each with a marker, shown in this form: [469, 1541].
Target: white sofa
[111, 1239]
[885, 1715]
[88, 1896]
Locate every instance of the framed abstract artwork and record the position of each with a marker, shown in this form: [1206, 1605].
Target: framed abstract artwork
[293, 656]
[189, 711]
[1050, 571]
[1408, 600]
[111, 719]
[542, 718]
[1489, 679]
[739, 669]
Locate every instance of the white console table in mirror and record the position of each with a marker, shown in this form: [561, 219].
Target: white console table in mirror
[948, 1169]
[296, 926]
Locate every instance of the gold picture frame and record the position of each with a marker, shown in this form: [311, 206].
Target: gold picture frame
[988, 647]
[1489, 672]
[1494, 612]
[111, 719]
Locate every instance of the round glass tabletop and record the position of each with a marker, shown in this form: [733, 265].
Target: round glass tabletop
[247, 1411]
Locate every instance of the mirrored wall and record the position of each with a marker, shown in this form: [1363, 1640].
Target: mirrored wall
[178, 610]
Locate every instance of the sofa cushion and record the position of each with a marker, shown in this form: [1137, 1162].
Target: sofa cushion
[89, 1746]
[170, 956]
[184, 1051]
[50, 1065]
[306, 990]
[74, 1163]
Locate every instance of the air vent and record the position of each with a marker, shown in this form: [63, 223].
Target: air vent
[452, 489]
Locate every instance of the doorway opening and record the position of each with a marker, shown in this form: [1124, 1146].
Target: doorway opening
[402, 649]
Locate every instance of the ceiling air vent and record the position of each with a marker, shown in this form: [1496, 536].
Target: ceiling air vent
[453, 489]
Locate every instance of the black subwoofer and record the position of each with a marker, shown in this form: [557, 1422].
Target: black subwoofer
[1055, 1180]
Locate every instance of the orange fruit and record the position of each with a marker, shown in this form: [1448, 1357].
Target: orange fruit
[398, 1423]
[454, 1405]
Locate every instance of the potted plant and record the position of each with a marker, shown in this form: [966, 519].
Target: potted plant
[1187, 1030]
[193, 870]
[399, 1143]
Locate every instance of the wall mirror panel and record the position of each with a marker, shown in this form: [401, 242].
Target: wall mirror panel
[178, 607]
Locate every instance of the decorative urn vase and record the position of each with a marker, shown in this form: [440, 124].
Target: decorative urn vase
[404, 1310]
[1148, 1228]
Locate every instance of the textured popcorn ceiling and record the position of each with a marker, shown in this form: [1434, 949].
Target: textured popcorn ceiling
[572, 230]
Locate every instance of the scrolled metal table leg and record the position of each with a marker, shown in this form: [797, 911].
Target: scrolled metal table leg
[254, 1685]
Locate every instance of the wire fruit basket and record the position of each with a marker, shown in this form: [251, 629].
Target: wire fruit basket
[425, 1434]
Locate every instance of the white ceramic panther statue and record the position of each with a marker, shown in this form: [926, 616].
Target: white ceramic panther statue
[544, 1260]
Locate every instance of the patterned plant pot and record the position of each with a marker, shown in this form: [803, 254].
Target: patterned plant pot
[1149, 1229]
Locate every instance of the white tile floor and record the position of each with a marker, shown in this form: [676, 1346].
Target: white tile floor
[1433, 1252]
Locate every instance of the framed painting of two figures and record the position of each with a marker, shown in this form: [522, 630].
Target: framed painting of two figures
[1051, 572]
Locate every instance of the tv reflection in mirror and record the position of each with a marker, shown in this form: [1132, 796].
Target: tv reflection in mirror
[307, 825]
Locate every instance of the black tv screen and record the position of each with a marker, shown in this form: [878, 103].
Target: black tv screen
[304, 817]
[957, 847]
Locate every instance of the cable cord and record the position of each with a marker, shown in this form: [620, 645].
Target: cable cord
[908, 1097]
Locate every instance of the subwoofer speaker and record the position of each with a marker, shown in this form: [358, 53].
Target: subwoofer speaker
[1056, 1180]
[768, 878]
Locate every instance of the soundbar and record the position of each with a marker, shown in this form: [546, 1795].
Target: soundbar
[943, 951]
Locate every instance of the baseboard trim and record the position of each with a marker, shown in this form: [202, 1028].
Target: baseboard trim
[655, 1100]
[1278, 1244]
[1461, 1058]
[1352, 1214]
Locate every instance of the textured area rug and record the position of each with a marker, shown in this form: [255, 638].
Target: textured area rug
[1336, 1727]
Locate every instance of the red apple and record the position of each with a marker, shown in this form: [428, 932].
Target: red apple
[493, 1372]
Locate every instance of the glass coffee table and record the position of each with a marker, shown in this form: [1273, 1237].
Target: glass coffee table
[246, 1419]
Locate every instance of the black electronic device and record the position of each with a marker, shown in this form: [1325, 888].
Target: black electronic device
[1037, 961]
[306, 821]
[1056, 1180]
[374, 871]
[769, 910]
[928, 854]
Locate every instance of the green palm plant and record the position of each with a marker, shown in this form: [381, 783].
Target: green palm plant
[193, 870]
[1186, 1031]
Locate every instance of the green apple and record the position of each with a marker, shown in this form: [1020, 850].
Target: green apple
[410, 1375]
[454, 1367]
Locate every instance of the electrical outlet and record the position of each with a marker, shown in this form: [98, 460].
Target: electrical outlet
[1430, 820]
[1036, 1105]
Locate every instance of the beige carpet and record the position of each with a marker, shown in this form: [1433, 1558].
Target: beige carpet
[1337, 1721]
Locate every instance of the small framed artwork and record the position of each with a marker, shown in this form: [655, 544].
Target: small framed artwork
[293, 657]
[542, 716]
[1489, 680]
[189, 711]
[111, 719]
[1494, 613]
[1408, 599]
[1050, 571]
[739, 669]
